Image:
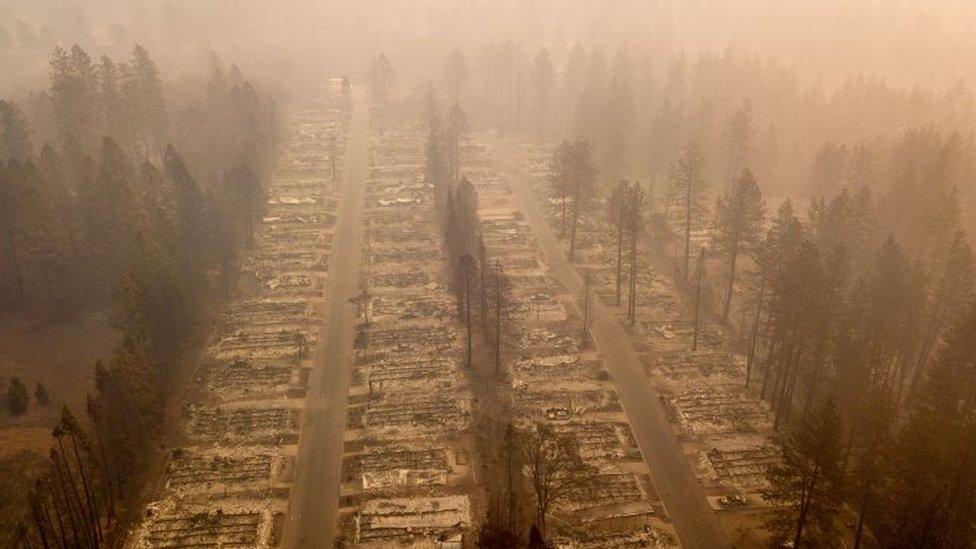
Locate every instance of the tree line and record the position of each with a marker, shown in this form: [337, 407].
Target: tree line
[112, 211]
[639, 107]
[120, 167]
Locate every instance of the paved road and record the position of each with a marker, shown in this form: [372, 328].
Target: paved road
[695, 522]
[314, 501]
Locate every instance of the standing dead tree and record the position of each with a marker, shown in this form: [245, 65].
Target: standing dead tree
[553, 466]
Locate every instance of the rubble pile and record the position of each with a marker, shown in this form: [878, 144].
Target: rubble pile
[406, 473]
[227, 484]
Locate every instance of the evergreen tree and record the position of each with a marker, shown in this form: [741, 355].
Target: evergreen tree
[188, 213]
[634, 225]
[41, 395]
[456, 128]
[17, 397]
[542, 83]
[616, 128]
[687, 194]
[380, 80]
[573, 177]
[739, 217]
[929, 499]
[144, 89]
[738, 141]
[947, 296]
[808, 485]
[73, 93]
[616, 205]
[14, 133]
[456, 73]
[111, 108]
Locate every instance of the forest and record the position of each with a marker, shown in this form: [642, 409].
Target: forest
[113, 197]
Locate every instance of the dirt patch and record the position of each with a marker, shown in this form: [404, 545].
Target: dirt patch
[18, 471]
[60, 355]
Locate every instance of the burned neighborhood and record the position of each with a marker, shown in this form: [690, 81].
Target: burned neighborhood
[556, 274]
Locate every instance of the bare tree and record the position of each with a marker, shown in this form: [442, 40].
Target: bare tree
[554, 467]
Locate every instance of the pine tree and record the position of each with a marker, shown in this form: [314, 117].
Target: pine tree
[616, 204]
[73, 93]
[456, 128]
[616, 128]
[380, 80]
[687, 194]
[738, 141]
[501, 305]
[147, 104]
[634, 223]
[948, 295]
[542, 83]
[828, 170]
[573, 177]
[456, 73]
[808, 485]
[41, 395]
[14, 133]
[17, 397]
[188, 211]
[739, 217]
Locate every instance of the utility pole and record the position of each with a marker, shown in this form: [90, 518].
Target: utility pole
[509, 443]
[466, 264]
[701, 272]
[585, 335]
[498, 316]
[332, 155]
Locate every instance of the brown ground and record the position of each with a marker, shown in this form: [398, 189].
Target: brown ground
[61, 356]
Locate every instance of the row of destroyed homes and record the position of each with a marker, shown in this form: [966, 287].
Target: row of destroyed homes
[559, 383]
[228, 479]
[407, 471]
[725, 431]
